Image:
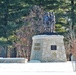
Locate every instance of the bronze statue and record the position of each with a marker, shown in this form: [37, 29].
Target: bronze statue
[49, 21]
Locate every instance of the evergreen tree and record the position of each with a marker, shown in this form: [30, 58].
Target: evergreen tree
[11, 13]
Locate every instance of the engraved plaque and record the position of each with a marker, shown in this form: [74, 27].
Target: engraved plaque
[37, 46]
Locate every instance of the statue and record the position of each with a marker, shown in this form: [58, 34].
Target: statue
[46, 19]
[49, 21]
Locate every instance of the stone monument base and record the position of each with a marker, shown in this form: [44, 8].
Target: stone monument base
[48, 48]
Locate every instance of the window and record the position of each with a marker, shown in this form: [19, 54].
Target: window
[53, 47]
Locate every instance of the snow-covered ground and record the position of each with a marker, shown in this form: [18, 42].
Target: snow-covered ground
[52, 68]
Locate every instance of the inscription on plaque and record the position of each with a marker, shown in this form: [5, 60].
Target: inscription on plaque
[37, 46]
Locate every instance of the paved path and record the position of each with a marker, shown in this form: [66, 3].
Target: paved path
[59, 68]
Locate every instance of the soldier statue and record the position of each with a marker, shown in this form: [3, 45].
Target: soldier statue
[49, 21]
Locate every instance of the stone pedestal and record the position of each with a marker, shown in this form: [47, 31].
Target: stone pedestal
[48, 48]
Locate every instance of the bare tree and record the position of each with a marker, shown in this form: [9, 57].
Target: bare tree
[70, 42]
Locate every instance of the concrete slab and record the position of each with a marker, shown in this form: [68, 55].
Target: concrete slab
[12, 60]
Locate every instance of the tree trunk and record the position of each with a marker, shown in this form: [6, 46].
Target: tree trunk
[72, 13]
[6, 23]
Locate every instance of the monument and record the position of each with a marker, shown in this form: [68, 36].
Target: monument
[47, 48]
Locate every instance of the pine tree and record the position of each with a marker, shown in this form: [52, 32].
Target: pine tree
[11, 14]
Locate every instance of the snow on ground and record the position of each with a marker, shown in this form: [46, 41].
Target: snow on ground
[52, 68]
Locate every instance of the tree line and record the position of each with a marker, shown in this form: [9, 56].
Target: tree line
[13, 24]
